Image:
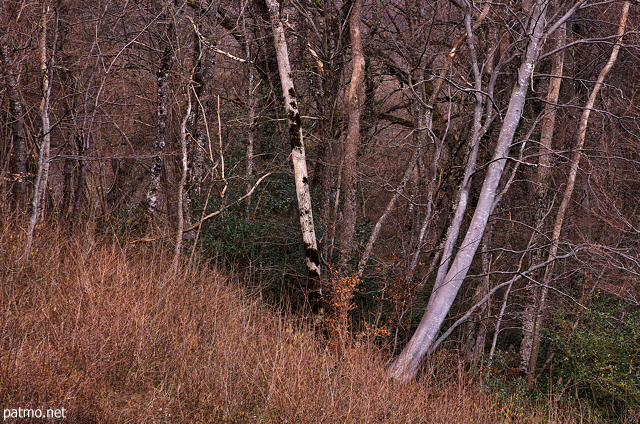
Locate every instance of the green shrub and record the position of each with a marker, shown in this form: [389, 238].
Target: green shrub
[601, 356]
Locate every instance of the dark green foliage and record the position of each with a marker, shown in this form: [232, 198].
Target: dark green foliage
[267, 245]
[600, 358]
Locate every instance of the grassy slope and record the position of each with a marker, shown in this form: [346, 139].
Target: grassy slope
[103, 332]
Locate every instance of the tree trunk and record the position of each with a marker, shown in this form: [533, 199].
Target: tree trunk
[251, 104]
[462, 197]
[162, 104]
[82, 171]
[19, 161]
[312, 258]
[183, 182]
[197, 125]
[540, 185]
[46, 67]
[349, 179]
[476, 330]
[406, 365]
[575, 161]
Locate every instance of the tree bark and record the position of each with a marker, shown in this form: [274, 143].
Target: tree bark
[312, 258]
[540, 185]
[183, 182]
[197, 126]
[352, 142]
[251, 104]
[575, 161]
[405, 367]
[19, 160]
[162, 104]
[46, 68]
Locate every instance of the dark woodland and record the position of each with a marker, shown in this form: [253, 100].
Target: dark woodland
[241, 211]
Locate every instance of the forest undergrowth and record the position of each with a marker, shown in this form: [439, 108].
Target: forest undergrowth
[108, 333]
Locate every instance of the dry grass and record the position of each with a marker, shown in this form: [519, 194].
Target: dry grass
[104, 332]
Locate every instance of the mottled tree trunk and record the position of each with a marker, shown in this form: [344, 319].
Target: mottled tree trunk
[197, 124]
[540, 185]
[251, 106]
[162, 105]
[312, 258]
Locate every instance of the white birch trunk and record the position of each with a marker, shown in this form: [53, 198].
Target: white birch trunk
[406, 365]
[42, 178]
[312, 258]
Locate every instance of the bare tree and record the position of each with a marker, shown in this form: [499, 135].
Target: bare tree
[568, 192]
[171, 8]
[312, 257]
[46, 68]
[352, 142]
[406, 365]
[19, 161]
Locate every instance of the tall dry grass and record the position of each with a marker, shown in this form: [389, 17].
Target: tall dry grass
[104, 331]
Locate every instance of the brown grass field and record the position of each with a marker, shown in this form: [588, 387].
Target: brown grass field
[104, 331]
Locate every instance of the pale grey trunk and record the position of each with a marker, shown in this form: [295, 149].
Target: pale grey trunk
[541, 183]
[352, 142]
[557, 228]
[462, 196]
[406, 365]
[470, 167]
[46, 67]
[303, 194]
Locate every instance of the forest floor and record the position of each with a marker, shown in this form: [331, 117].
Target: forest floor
[106, 332]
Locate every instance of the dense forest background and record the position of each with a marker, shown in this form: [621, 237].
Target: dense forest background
[473, 167]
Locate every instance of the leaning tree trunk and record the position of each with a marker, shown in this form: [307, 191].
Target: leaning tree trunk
[312, 258]
[405, 367]
[46, 67]
[575, 161]
[462, 196]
